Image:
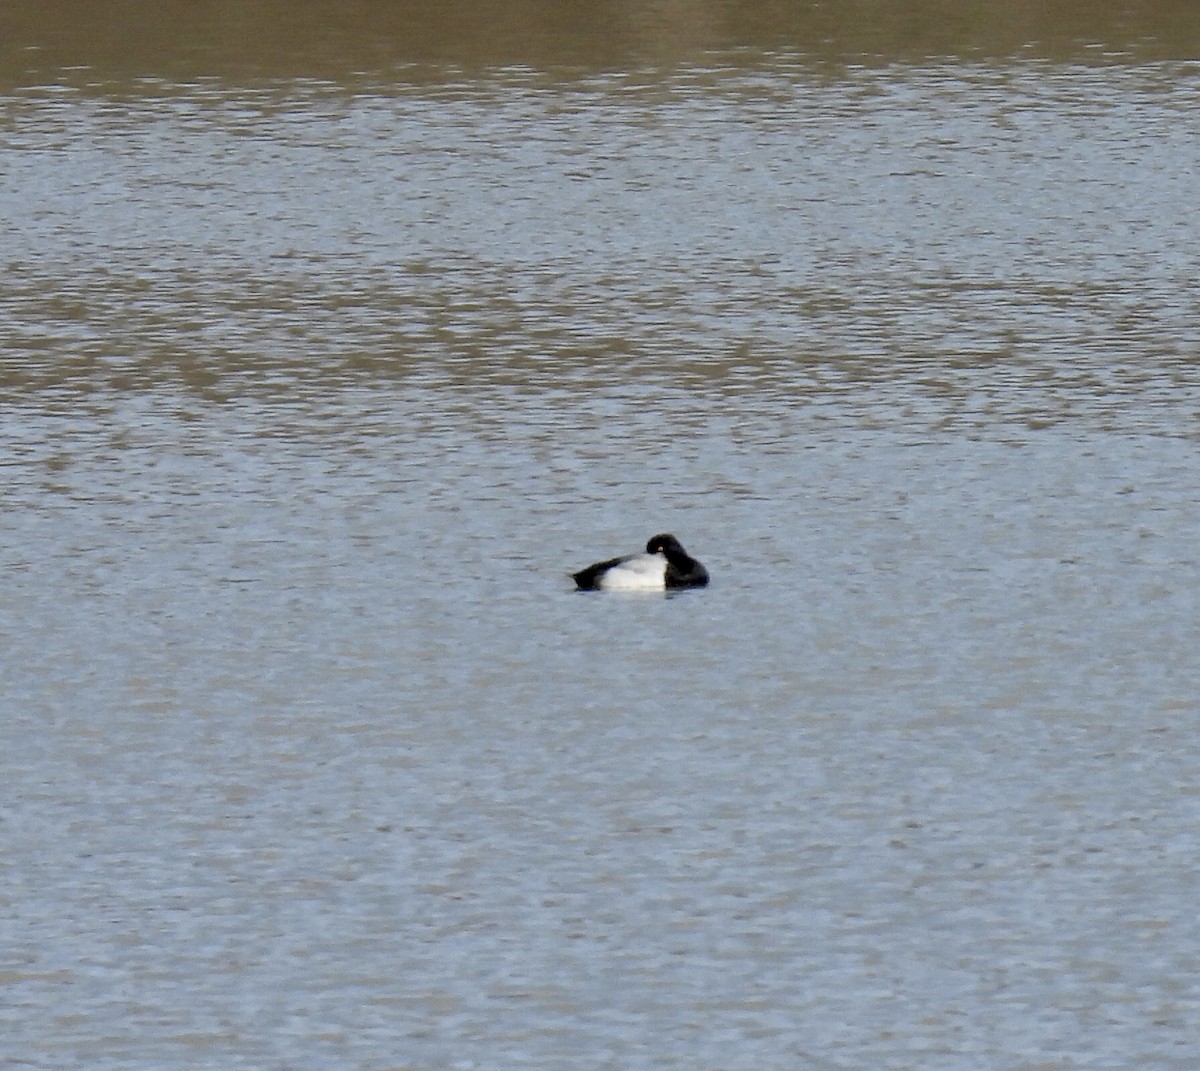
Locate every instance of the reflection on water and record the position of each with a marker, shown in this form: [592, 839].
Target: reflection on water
[318, 377]
[274, 39]
[995, 237]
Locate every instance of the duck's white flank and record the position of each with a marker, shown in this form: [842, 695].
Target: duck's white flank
[642, 572]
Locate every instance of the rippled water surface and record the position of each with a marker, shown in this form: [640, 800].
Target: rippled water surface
[315, 386]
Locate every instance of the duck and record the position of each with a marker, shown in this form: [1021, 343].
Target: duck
[664, 566]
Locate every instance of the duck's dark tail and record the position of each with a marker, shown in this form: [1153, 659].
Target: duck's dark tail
[589, 579]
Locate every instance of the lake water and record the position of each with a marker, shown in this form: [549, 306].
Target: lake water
[324, 362]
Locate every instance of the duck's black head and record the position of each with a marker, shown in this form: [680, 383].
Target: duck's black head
[665, 544]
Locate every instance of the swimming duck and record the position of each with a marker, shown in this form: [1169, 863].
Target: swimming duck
[664, 565]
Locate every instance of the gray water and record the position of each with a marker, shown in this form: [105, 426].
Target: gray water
[316, 389]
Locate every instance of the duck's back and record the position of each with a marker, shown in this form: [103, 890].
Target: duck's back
[642, 572]
[638, 572]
